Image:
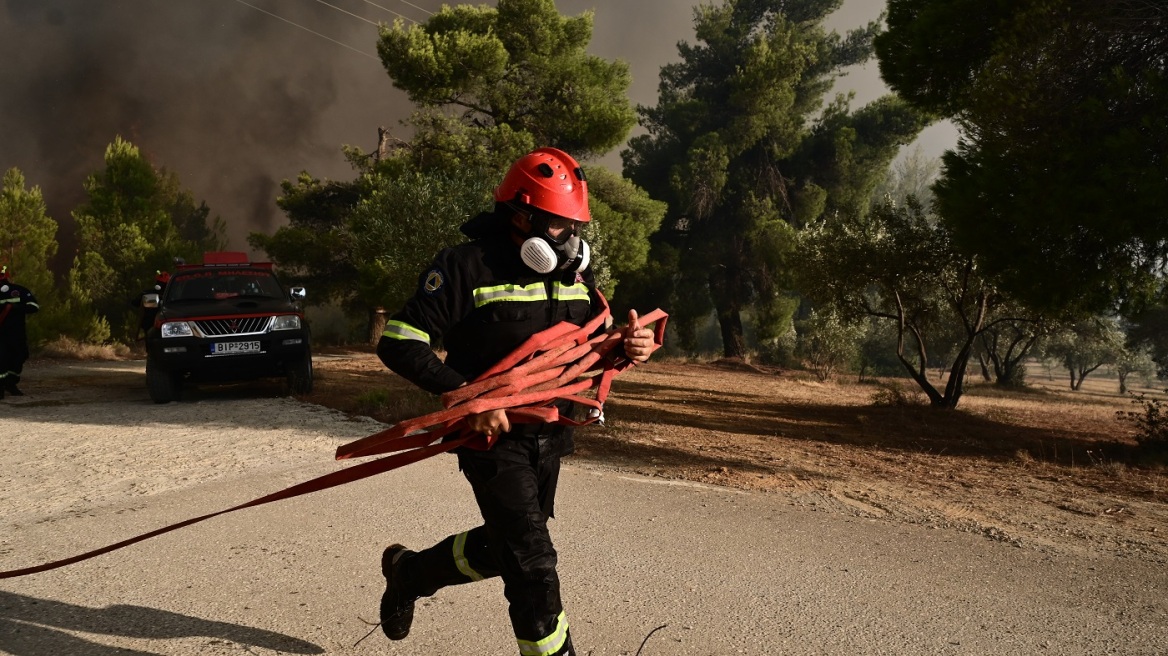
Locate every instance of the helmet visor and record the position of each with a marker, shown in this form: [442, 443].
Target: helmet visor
[552, 227]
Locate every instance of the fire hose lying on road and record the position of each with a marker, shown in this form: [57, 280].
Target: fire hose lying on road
[558, 364]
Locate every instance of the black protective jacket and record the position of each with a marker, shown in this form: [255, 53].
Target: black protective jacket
[479, 302]
[16, 302]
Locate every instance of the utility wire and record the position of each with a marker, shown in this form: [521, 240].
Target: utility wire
[421, 9]
[294, 24]
[425, 11]
[343, 11]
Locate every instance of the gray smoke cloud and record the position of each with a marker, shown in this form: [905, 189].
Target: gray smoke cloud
[233, 99]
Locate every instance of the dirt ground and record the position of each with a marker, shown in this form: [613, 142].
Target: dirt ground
[1045, 469]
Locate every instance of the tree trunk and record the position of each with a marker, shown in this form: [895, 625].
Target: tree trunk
[376, 324]
[955, 387]
[724, 286]
[985, 370]
[920, 373]
[1083, 371]
[382, 144]
[733, 343]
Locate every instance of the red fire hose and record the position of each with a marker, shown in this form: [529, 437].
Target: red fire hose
[559, 363]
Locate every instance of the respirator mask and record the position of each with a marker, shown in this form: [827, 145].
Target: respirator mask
[543, 253]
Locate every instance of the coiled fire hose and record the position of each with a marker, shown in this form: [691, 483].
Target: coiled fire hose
[559, 363]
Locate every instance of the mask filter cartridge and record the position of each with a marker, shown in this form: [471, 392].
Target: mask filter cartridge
[542, 257]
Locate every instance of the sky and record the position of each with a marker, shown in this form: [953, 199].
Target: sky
[236, 95]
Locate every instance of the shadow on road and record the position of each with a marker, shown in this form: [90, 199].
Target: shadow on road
[29, 626]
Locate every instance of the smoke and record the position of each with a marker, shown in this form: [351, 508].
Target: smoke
[229, 98]
[232, 99]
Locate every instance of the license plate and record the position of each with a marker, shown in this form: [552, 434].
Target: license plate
[232, 348]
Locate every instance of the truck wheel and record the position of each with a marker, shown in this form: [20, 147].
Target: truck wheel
[300, 374]
[164, 386]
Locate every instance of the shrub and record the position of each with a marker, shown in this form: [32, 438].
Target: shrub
[372, 402]
[394, 405]
[894, 395]
[1151, 424]
[71, 349]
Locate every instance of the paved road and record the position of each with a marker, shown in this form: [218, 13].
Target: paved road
[726, 572]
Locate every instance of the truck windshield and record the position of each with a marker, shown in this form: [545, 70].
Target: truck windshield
[219, 284]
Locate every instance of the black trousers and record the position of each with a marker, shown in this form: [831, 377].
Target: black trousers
[12, 358]
[515, 487]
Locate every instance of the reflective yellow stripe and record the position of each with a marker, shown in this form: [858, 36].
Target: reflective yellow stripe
[460, 558]
[402, 330]
[550, 644]
[533, 292]
[10, 299]
[577, 292]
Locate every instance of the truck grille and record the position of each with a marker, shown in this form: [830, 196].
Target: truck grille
[222, 327]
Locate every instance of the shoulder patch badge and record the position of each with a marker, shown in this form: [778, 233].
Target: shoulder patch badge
[432, 283]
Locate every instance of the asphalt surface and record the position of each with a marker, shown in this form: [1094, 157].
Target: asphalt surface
[724, 572]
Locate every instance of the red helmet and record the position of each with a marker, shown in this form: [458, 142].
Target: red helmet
[549, 180]
[162, 278]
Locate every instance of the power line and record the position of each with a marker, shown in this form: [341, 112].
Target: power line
[421, 9]
[343, 11]
[425, 11]
[294, 24]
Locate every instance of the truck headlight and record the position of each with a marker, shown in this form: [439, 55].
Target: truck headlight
[176, 329]
[286, 322]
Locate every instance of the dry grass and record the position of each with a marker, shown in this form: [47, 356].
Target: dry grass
[65, 348]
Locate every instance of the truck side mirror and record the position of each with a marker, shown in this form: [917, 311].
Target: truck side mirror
[149, 300]
[298, 293]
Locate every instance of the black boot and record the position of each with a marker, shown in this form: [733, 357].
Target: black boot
[397, 605]
[12, 389]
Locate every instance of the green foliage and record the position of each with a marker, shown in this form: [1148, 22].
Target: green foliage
[1150, 328]
[315, 248]
[623, 218]
[899, 265]
[402, 221]
[1151, 423]
[71, 313]
[1085, 346]
[735, 148]
[1007, 343]
[1058, 182]
[829, 344]
[135, 221]
[878, 350]
[363, 243]
[895, 395]
[491, 83]
[372, 401]
[495, 81]
[1134, 360]
[396, 404]
[28, 241]
[668, 281]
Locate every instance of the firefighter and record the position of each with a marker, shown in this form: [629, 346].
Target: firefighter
[16, 303]
[146, 321]
[524, 270]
